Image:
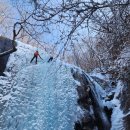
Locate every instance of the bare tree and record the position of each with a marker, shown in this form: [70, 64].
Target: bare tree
[70, 16]
[73, 15]
[6, 19]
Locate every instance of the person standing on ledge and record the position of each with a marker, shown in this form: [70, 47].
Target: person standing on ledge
[36, 54]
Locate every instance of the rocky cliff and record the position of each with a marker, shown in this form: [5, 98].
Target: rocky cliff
[5, 44]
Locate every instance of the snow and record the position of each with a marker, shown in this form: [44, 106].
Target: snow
[77, 83]
[98, 89]
[117, 115]
[37, 97]
[98, 75]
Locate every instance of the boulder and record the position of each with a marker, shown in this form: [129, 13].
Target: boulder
[5, 44]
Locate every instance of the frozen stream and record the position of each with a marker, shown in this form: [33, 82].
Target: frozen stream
[43, 98]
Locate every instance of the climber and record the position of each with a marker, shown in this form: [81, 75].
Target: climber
[50, 59]
[36, 54]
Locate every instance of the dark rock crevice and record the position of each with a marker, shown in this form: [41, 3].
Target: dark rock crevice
[108, 112]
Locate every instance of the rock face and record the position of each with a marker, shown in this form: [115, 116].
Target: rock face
[94, 116]
[5, 44]
[88, 121]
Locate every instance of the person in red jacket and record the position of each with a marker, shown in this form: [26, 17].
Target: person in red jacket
[36, 54]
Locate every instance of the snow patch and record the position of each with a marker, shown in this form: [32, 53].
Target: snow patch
[117, 115]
